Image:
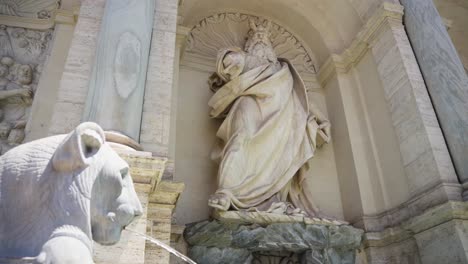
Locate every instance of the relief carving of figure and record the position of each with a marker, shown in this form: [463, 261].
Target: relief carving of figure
[269, 131]
[15, 101]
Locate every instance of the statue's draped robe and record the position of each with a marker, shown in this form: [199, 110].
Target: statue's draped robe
[267, 136]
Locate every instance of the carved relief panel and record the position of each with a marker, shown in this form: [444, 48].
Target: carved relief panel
[22, 55]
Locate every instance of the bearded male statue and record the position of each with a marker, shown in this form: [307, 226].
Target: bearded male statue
[269, 130]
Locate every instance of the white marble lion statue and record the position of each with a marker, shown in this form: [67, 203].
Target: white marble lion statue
[60, 193]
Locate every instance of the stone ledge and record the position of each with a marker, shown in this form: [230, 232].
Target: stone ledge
[430, 218]
[263, 218]
[144, 168]
[167, 193]
[436, 195]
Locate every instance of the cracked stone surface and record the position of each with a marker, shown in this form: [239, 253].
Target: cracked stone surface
[221, 242]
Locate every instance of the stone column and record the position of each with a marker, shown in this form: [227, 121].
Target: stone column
[444, 76]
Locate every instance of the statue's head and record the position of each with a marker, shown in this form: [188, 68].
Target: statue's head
[24, 74]
[102, 177]
[5, 129]
[259, 43]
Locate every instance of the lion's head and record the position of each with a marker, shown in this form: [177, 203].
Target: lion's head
[114, 202]
[102, 178]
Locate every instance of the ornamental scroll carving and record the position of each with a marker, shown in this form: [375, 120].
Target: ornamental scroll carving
[41, 9]
[22, 54]
[229, 30]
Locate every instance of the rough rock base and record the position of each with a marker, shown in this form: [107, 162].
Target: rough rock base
[229, 242]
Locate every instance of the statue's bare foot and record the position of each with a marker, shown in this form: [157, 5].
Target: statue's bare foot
[219, 201]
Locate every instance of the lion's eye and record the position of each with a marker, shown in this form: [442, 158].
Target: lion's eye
[124, 172]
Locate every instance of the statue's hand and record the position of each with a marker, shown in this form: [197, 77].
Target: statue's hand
[25, 92]
[233, 63]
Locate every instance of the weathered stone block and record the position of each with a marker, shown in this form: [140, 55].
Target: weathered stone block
[228, 242]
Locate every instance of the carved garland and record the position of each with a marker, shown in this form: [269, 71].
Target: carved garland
[230, 29]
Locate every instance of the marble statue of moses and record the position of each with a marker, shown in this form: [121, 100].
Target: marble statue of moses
[269, 131]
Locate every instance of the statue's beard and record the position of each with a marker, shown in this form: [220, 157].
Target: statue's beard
[261, 49]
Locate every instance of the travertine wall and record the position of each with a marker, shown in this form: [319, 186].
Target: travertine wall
[384, 141]
[347, 173]
[69, 105]
[195, 136]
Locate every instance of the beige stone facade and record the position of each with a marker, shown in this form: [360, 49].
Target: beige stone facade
[388, 169]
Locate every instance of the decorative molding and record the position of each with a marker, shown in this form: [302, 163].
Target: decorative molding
[438, 194]
[26, 22]
[433, 217]
[387, 13]
[40, 9]
[230, 28]
[60, 16]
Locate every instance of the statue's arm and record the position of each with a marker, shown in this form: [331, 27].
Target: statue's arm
[230, 65]
[24, 92]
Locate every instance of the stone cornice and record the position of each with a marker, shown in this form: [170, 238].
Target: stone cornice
[439, 193]
[433, 217]
[387, 13]
[145, 168]
[60, 16]
[26, 22]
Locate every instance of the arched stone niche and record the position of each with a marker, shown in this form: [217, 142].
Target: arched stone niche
[231, 29]
[192, 153]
